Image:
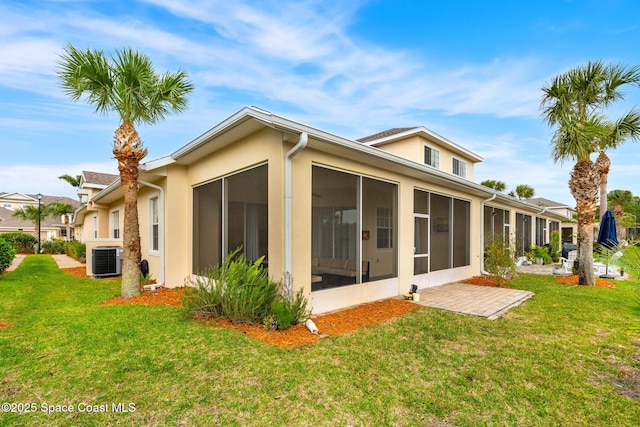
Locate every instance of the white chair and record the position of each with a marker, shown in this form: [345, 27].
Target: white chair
[567, 263]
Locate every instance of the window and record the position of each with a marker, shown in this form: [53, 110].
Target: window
[153, 213]
[459, 168]
[523, 233]
[496, 224]
[95, 226]
[7, 206]
[228, 213]
[442, 223]
[384, 230]
[115, 224]
[347, 209]
[432, 157]
[541, 231]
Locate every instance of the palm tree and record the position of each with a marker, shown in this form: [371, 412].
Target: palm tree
[573, 103]
[73, 180]
[30, 213]
[127, 84]
[496, 185]
[523, 191]
[627, 127]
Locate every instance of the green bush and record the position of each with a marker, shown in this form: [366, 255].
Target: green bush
[7, 253]
[243, 293]
[52, 247]
[22, 243]
[76, 250]
[498, 259]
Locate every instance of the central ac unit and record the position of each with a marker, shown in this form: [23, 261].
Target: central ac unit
[107, 261]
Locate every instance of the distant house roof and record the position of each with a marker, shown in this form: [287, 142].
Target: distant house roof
[539, 201]
[8, 221]
[384, 134]
[98, 178]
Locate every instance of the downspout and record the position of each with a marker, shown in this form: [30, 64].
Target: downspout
[288, 280]
[160, 281]
[482, 270]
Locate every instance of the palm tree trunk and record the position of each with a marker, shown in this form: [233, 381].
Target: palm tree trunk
[584, 185]
[127, 150]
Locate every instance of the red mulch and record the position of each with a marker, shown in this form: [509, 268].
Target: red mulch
[573, 280]
[338, 323]
[483, 281]
[567, 280]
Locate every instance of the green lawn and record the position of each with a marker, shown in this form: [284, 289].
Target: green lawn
[569, 356]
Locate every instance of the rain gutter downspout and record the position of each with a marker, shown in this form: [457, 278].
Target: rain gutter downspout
[288, 281]
[160, 281]
[482, 270]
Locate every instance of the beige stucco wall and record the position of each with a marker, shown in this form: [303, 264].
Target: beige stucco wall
[412, 148]
[266, 146]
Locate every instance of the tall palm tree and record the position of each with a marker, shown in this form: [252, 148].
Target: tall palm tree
[627, 127]
[127, 84]
[574, 104]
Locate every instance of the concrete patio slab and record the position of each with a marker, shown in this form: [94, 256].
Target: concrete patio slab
[480, 301]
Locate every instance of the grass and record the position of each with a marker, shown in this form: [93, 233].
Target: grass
[569, 356]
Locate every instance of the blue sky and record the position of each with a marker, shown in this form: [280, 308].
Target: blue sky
[469, 70]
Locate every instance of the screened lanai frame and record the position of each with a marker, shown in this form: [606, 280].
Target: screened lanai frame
[354, 227]
[226, 218]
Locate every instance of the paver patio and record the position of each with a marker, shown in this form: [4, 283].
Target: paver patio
[474, 300]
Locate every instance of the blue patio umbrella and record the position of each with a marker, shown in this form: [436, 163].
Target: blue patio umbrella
[607, 235]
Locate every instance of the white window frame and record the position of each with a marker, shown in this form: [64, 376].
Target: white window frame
[115, 224]
[6, 205]
[384, 221]
[95, 226]
[461, 165]
[154, 221]
[435, 156]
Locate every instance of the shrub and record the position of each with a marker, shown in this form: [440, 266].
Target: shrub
[243, 293]
[23, 243]
[52, 247]
[7, 253]
[541, 252]
[498, 259]
[76, 250]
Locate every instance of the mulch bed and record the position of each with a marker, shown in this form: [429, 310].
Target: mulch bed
[338, 323]
[573, 280]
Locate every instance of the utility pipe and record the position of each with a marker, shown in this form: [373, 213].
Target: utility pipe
[288, 281]
[160, 281]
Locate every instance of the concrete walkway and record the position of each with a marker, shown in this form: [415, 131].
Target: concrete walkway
[63, 261]
[481, 301]
[16, 262]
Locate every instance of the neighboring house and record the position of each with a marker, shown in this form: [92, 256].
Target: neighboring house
[50, 228]
[569, 226]
[346, 221]
[85, 221]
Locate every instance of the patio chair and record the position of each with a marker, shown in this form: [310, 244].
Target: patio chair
[567, 263]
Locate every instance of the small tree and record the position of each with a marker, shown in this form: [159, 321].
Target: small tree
[498, 259]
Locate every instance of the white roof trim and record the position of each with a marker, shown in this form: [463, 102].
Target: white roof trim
[423, 131]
